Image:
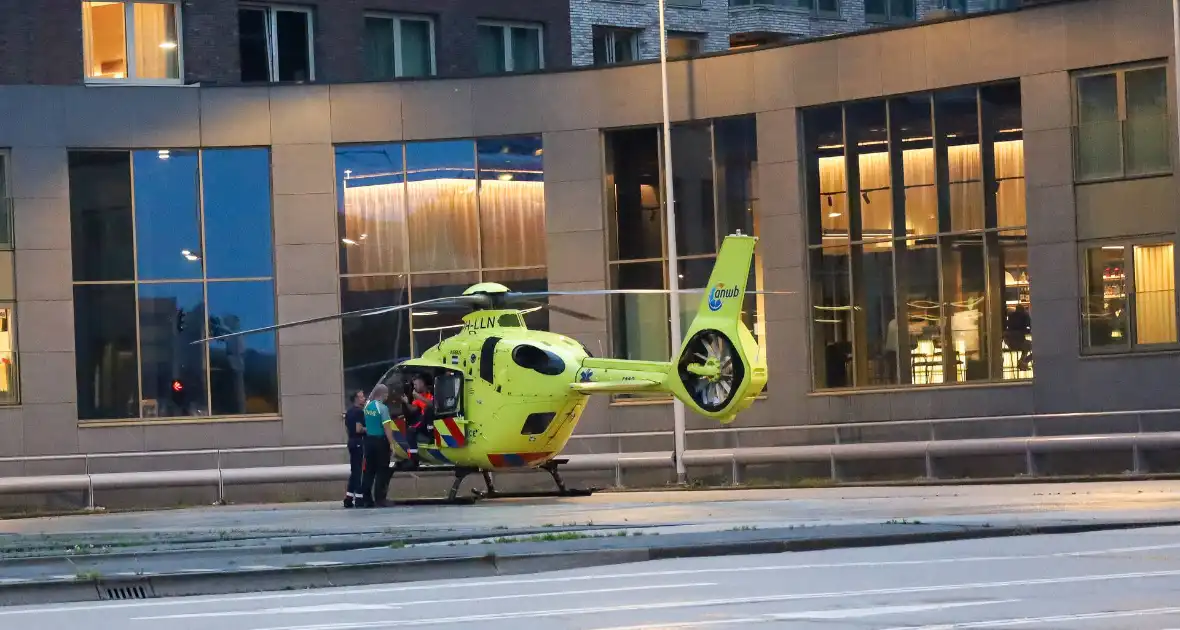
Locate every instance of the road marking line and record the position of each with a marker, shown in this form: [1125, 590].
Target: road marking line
[1023, 621]
[846, 613]
[237, 613]
[732, 601]
[477, 583]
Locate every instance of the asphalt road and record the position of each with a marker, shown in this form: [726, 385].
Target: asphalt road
[703, 510]
[1125, 579]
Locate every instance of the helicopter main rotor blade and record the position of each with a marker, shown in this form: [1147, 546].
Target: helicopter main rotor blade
[538, 294]
[434, 302]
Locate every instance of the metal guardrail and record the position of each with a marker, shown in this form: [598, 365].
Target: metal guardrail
[833, 453]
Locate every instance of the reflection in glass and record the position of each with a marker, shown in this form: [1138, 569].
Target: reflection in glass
[171, 318]
[238, 222]
[1099, 134]
[921, 295]
[380, 63]
[416, 48]
[526, 49]
[243, 371]
[736, 143]
[1146, 129]
[1003, 106]
[490, 49]
[156, 45]
[106, 359]
[640, 321]
[372, 345]
[1017, 339]
[965, 293]
[1105, 311]
[371, 202]
[443, 212]
[1155, 294]
[634, 194]
[913, 121]
[104, 26]
[876, 352]
[831, 317]
[167, 215]
[101, 223]
[957, 114]
[432, 326]
[692, 181]
[512, 202]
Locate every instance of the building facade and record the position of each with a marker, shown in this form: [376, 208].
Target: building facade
[226, 42]
[619, 31]
[975, 217]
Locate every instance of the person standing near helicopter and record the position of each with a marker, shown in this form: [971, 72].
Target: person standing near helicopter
[378, 449]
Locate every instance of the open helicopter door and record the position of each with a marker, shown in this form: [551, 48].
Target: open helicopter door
[450, 428]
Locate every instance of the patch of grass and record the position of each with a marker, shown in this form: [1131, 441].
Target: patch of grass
[87, 576]
[397, 544]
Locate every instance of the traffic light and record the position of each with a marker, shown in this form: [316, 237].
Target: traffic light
[178, 394]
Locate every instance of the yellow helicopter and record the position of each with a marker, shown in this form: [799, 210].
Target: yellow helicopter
[506, 397]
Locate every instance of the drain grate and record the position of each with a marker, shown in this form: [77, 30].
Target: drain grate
[142, 590]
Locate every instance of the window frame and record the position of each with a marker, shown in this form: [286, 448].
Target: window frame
[813, 7]
[1120, 74]
[398, 54]
[1132, 346]
[506, 27]
[135, 282]
[271, 12]
[888, 17]
[989, 235]
[611, 33]
[699, 38]
[6, 204]
[129, 46]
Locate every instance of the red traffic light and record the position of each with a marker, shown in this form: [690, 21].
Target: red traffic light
[177, 386]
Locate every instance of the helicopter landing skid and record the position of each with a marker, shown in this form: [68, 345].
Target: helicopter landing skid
[550, 467]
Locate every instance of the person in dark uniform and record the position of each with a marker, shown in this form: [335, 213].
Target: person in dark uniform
[378, 449]
[354, 430]
[419, 410]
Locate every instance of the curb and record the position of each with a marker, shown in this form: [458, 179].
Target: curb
[488, 565]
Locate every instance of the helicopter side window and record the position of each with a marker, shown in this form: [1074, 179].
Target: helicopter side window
[447, 393]
[534, 358]
[509, 320]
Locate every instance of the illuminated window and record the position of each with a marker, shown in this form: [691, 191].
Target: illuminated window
[9, 381]
[136, 41]
[1129, 301]
[918, 248]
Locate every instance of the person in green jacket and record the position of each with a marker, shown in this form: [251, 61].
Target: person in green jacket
[378, 449]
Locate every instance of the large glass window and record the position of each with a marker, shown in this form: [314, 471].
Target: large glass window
[916, 225]
[1121, 119]
[9, 380]
[131, 41]
[504, 47]
[171, 246]
[275, 43]
[714, 180]
[429, 219]
[1129, 296]
[398, 46]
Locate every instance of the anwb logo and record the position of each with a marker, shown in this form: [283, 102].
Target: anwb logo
[719, 293]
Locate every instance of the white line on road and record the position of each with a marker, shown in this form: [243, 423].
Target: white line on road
[843, 613]
[495, 582]
[731, 601]
[1024, 621]
[629, 589]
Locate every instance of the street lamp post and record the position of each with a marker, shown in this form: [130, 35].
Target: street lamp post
[673, 267]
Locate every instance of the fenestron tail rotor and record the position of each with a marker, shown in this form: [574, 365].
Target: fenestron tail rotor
[711, 369]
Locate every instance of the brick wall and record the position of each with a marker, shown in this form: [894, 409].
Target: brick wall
[718, 21]
[41, 40]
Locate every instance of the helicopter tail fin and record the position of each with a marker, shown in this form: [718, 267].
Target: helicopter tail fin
[720, 369]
